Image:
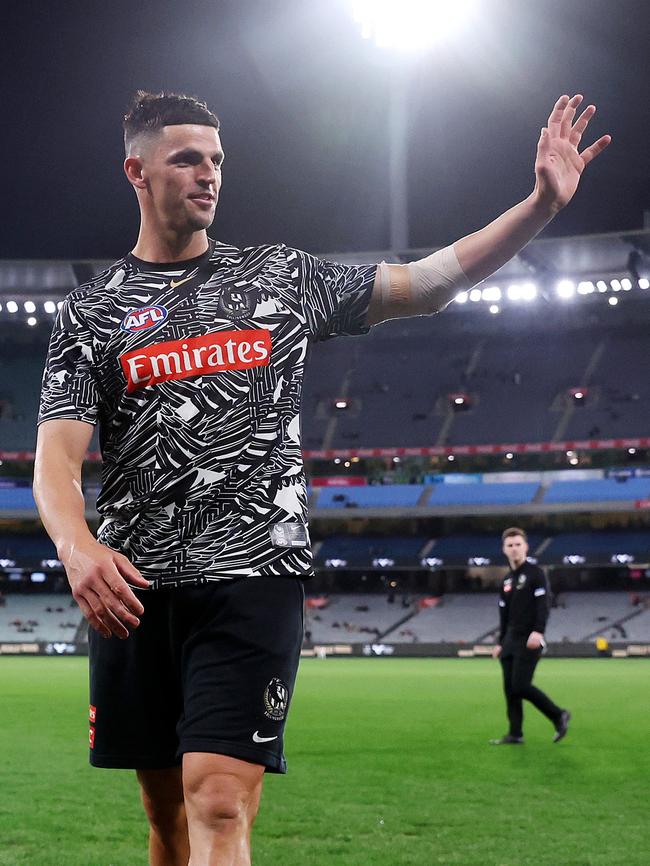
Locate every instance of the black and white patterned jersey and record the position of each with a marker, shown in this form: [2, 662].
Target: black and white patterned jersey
[194, 373]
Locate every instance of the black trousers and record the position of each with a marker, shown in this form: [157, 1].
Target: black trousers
[519, 665]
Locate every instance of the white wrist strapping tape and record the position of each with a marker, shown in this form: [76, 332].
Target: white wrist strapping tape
[422, 287]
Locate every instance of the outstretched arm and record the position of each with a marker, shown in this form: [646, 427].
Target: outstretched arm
[558, 169]
[428, 285]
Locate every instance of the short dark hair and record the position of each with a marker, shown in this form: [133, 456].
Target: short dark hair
[513, 530]
[149, 112]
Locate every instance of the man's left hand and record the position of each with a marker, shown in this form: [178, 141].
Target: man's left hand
[535, 640]
[559, 166]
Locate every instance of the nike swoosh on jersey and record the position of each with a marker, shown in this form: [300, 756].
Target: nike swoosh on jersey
[258, 739]
[174, 284]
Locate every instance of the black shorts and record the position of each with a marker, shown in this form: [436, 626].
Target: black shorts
[209, 669]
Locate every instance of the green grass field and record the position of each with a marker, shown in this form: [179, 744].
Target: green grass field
[389, 766]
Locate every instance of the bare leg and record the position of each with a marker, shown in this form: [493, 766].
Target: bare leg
[221, 799]
[162, 797]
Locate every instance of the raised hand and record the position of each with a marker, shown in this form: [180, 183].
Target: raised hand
[559, 164]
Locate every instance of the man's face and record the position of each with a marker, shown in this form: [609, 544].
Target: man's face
[515, 548]
[181, 168]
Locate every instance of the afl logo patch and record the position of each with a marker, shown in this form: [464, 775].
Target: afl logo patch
[143, 319]
[276, 700]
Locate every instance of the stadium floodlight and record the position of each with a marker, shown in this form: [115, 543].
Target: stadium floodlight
[616, 285]
[475, 295]
[529, 292]
[494, 309]
[586, 287]
[29, 306]
[0, 308]
[491, 293]
[613, 301]
[410, 25]
[602, 286]
[626, 284]
[49, 307]
[31, 321]
[461, 297]
[631, 450]
[509, 455]
[644, 283]
[565, 289]
[12, 307]
[59, 305]
[451, 458]
[514, 292]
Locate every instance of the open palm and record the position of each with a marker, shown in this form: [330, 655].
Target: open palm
[559, 165]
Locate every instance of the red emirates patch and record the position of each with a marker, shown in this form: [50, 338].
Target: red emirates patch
[92, 714]
[196, 356]
[91, 737]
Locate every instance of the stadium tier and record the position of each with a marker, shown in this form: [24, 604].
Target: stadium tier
[467, 618]
[39, 617]
[395, 387]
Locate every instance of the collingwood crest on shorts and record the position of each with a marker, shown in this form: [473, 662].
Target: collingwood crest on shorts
[276, 700]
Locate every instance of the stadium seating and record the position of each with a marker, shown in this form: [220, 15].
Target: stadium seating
[361, 551]
[598, 490]
[579, 615]
[458, 618]
[59, 623]
[371, 496]
[355, 617]
[482, 494]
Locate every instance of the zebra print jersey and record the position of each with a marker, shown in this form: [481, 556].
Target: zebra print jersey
[193, 372]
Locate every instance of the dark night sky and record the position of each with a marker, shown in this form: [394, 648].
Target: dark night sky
[303, 104]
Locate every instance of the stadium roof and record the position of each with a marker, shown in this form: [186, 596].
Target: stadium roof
[585, 257]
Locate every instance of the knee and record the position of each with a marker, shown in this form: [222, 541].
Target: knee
[218, 800]
[519, 690]
[163, 805]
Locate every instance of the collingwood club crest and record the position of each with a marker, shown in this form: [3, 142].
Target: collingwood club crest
[236, 303]
[276, 700]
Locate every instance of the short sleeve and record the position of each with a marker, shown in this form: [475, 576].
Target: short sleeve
[335, 297]
[69, 387]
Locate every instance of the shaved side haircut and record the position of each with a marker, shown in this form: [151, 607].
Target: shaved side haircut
[150, 112]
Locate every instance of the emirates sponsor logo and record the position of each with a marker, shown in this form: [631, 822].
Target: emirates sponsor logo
[143, 319]
[195, 356]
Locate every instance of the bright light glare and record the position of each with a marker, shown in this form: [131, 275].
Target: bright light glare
[12, 307]
[529, 291]
[644, 283]
[626, 284]
[461, 298]
[613, 301]
[585, 288]
[30, 307]
[410, 25]
[602, 286]
[565, 289]
[494, 309]
[31, 321]
[491, 293]
[475, 295]
[49, 306]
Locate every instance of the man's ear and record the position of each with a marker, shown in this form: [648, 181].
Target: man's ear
[134, 170]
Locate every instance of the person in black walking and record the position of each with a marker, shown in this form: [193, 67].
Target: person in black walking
[523, 610]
